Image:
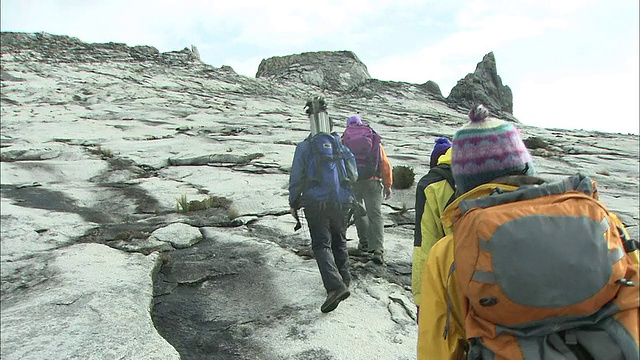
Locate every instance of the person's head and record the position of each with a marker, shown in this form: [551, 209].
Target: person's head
[441, 147]
[486, 149]
[354, 120]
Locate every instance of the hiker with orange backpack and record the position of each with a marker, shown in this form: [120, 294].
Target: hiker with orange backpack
[434, 192]
[537, 270]
[320, 181]
[375, 179]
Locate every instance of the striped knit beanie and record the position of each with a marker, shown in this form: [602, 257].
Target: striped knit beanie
[486, 149]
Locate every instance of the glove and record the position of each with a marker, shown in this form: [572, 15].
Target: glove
[294, 213]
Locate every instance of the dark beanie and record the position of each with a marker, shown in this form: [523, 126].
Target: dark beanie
[441, 147]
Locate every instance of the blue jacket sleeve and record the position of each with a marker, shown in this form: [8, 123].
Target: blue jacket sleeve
[298, 174]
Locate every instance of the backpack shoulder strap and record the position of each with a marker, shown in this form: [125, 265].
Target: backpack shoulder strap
[452, 268]
[444, 171]
[339, 157]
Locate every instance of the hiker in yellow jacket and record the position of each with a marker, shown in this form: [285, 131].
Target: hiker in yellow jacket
[486, 155]
[436, 196]
[440, 288]
[482, 151]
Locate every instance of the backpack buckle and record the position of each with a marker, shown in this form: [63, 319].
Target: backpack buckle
[630, 245]
[488, 301]
[625, 282]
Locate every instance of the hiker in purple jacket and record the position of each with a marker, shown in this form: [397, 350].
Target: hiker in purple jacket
[374, 181]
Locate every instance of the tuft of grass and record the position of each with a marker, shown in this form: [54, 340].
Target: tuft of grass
[131, 234]
[403, 177]
[102, 152]
[218, 202]
[404, 209]
[233, 213]
[183, 205]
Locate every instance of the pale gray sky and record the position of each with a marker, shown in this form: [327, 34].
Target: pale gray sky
[570, 63]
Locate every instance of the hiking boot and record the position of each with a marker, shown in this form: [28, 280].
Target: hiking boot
[346, 279]
[377, 257]
[333, 299]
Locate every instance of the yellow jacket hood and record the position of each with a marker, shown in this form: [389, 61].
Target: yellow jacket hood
[445, 158]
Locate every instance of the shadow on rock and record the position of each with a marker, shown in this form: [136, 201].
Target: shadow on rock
[40, 198]
[209, 299]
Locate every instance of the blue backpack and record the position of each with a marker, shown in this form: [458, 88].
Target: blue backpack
[331, 170]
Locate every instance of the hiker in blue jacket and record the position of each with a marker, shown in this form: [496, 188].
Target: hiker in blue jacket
[321, 186]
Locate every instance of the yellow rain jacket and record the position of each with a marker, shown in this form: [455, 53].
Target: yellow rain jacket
[440, 287]
[437, 195]
[440, 295]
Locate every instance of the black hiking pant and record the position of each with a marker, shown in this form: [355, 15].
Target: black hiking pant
[328, 227]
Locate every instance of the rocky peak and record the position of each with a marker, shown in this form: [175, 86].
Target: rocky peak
[483, 86]
[45, 47]
[334, 70]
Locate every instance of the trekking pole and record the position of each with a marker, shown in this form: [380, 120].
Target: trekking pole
[316, 108]
[350, 216]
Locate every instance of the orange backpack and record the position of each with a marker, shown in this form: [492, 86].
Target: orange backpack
[546, 272]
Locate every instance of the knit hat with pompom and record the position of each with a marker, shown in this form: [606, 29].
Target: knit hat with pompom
[486, 149]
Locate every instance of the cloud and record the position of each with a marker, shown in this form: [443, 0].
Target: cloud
[398, 40]
[444, 62]
[606, 102]
[247, 22]
[480, 27]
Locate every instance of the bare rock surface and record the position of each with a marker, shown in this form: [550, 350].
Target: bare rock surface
[98, 152]
[84, 292]
[180, 235]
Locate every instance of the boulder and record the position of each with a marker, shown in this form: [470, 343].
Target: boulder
[432, 88]
[334, 70]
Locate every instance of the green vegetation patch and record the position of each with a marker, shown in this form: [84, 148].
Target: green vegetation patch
[403, 177]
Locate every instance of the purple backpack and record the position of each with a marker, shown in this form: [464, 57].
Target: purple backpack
[364, 143]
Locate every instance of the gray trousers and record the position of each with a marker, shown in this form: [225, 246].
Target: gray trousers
[370, 227]
[328, 227]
